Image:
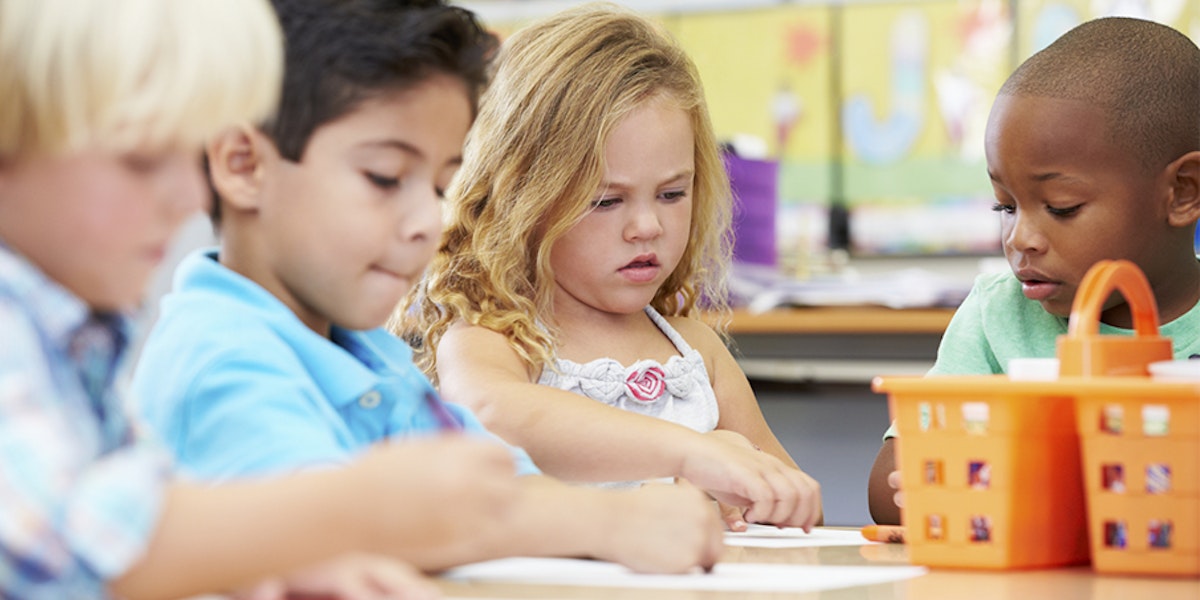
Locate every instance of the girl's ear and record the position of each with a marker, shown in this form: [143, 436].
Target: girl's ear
[235, 167]
[1184, 208]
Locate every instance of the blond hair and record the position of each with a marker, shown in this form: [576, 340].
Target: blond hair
[124, 74]
[532, 164]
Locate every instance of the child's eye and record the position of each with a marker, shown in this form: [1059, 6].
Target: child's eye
[382, 182]
[606, 202]
[675, 195]
[1007, 209]
[1063, 212]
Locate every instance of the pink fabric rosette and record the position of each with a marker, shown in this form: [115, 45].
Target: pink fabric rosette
[646, 384]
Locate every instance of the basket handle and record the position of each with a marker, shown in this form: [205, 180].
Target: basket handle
[1098, 284]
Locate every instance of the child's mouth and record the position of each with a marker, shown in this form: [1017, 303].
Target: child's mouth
[641, 264]
[641, 270]
[1038, 289]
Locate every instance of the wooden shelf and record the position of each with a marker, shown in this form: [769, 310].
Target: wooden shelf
[842, 319]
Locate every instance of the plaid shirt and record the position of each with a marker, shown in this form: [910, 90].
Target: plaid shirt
[80, 493]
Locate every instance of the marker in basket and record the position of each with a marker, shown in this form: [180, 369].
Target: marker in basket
[891, 534]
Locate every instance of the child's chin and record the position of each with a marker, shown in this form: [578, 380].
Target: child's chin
[116, 302]
[365, 319]
[1056, 308]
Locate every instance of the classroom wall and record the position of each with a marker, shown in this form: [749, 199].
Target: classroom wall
[876, 105]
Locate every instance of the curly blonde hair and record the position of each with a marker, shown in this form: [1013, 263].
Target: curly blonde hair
[531, 165]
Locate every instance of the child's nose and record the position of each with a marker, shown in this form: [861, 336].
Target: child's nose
[424, 222]
[1024, 235]
[644, 224]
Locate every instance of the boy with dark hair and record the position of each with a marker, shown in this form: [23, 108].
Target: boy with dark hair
[1093, 149]
[329, 213]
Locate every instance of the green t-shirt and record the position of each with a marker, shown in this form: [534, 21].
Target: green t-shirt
[996, 323]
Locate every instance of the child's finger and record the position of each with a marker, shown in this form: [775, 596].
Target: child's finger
[399, 580]
[893, 479]
[269, 589]
[733, 516]
[785, 507]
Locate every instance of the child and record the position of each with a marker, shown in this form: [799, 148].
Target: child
[590, 218]
[1093, 148]
[102, 108]
[328, 213]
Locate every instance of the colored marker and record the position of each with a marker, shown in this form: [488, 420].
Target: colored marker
[892, 534]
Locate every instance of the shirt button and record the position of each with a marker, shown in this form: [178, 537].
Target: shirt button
[369, 400]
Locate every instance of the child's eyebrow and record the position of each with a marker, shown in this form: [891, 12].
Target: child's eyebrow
[395, 144]
[681, 174]
[407, 148]
[1040, 177]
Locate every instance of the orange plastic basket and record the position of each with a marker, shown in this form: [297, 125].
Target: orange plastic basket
[991, 467]
[1140, 438]
[991, 472]
[1141, 459]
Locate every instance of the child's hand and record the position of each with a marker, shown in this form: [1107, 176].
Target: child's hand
[436, 491]
[353, 577]
[894, 481]
[733, 516]
[736, 473]
[664, 528]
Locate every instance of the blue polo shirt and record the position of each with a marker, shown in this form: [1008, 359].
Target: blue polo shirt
[238, 386]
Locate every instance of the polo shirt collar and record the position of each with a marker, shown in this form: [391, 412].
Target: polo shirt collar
[344, 366]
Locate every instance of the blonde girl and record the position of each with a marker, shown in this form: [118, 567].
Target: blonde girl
[589, 220]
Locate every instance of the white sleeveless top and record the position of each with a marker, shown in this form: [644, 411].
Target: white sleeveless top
[678, 391]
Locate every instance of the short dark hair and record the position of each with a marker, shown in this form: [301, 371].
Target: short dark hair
[1146, 75]
[340, 53]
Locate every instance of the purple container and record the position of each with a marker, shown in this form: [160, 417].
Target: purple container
[755, 186]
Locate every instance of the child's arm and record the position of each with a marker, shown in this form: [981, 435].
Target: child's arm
[882, 497]
[735, 398]
[655, 528]
[352, 576]
[738, 407]
[478, 368]
[416, 501]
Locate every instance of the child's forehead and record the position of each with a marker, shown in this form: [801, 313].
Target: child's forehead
[1043, 120]
[401, 101]
[1034, 136]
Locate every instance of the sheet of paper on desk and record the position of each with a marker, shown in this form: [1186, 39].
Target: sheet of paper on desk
[767, 536]
[742, 577]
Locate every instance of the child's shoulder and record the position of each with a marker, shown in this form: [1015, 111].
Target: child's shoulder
[997, 291]
[23, 345]
[463, 338]
[998, 284]
[698, 334]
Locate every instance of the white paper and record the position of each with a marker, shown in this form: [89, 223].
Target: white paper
[742, 577]
[767, 536]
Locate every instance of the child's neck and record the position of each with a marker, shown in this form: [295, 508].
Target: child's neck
[627, 338]
[1178, 293]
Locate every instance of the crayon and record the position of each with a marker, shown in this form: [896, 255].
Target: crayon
[891, 534]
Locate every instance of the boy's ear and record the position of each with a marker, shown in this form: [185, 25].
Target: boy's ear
[235, 166]
[1184, 208]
